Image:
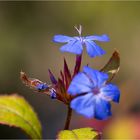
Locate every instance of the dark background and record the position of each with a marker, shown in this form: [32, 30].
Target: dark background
[26, 32]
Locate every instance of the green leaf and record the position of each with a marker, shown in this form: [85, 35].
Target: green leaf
[15, 111]
[113, 65]
[76, 134]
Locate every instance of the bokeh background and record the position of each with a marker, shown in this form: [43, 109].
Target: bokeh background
[26, 31]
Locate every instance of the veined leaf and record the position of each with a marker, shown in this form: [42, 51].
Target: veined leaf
[15, 111]
[113, 65]
[78, 134]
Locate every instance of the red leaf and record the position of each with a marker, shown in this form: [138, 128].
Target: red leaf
[67, 74]
[52, 78]
[62, 75]
[60, 88]
[77, 64]
[113, 65]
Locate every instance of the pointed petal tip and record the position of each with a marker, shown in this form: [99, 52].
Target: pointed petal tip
[116, 53]
[107, 38]
[117, 99]
[52, 78]
[22, 72]
[77, 64]
[61, 38]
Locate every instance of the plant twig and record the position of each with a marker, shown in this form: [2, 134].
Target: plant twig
[68, 119]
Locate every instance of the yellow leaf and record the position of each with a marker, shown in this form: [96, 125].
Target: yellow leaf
[15, 111]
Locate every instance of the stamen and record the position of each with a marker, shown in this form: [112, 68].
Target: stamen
[79, 30]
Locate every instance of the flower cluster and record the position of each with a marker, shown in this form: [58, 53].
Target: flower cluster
[88, 92]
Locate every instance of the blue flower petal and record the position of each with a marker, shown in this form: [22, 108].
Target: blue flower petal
[42, 86]
[110, 92]
[98, 78]
[62, 38]
[102, 109]
[80, 84]
[84, 105]
[103, 38]
[93, 49]
[53, 94]
[73, 46]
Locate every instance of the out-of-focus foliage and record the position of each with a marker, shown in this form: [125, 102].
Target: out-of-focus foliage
[16, 112]
[127, 127]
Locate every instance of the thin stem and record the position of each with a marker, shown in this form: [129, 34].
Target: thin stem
[68, 119]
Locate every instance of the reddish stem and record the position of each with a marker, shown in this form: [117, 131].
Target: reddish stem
[68, 119]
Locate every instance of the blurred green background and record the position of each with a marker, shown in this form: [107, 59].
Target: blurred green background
[26, 32]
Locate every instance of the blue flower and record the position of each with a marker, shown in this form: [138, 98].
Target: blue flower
[53, 93]
[42, 86]
[75, 44]
[94, 95]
